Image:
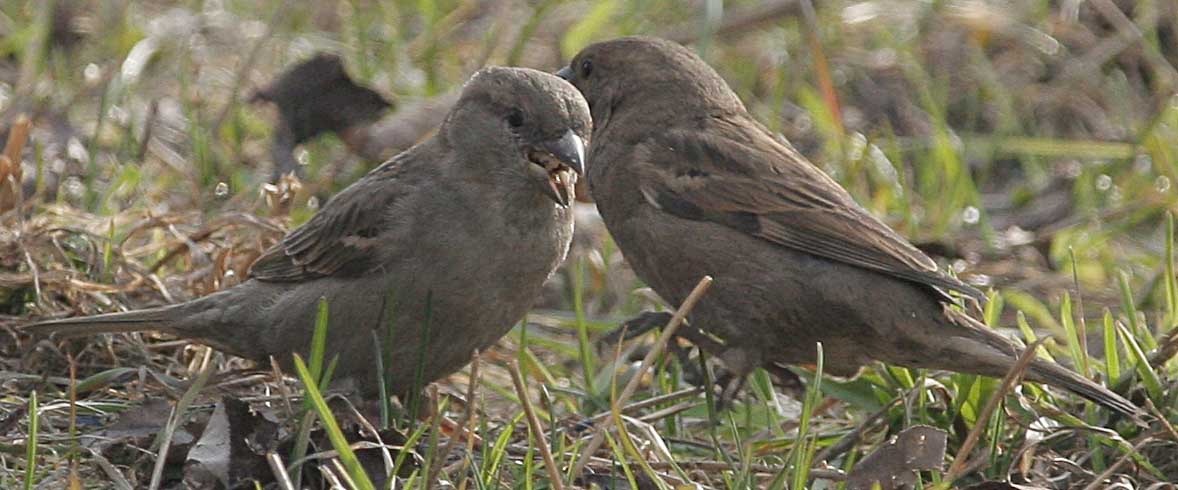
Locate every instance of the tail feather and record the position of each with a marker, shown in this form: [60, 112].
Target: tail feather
[995, 355]
[132, 321]
[1044, 371]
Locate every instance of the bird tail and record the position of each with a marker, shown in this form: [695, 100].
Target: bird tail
[1044, 371]
[160, 319]
[997, 354]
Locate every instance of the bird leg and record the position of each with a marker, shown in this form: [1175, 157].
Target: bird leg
[730, 383]
[727, 382]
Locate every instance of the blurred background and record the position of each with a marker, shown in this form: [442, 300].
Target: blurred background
[155, 148]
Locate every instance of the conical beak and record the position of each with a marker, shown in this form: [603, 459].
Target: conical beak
[569, 149]
[555, 162]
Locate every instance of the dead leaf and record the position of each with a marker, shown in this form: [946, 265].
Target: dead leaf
[919, 447]
[231, 449]
[140, 421]
[123, 441]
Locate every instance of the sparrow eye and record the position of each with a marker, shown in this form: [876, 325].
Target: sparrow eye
[515, 118]
[586, 68]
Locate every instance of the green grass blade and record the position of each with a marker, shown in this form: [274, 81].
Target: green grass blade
[407, 449]
[1029, 335]
[338, 441]
[804, 446]
[498, 452]
[1075, 345]
[1170, 280]
[620, 456]
[31, 441]
[319, 340]
[585, 348]
[1153, 385]
[1112, 358]
[1129, 305]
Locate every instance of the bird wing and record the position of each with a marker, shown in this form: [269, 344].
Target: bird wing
[342, 239]
[732, 171]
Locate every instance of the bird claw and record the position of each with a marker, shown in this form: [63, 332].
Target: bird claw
[728, 384]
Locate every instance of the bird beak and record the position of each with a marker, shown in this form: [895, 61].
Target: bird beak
[566, 73]
[554, 164]
[569, 149]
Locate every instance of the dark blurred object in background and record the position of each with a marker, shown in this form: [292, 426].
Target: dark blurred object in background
[314, 97]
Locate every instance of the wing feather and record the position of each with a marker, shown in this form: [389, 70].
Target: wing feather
[732, 171]
[339, 239]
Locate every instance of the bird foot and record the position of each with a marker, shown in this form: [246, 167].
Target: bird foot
[729, 384]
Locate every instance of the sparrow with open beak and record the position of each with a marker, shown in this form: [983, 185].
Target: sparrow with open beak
[447, 244]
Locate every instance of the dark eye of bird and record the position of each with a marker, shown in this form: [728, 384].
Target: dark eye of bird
[515, 118]
[586, 68]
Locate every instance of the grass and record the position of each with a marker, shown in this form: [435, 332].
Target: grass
[357, 477]
[1031, 150]
[31, 442]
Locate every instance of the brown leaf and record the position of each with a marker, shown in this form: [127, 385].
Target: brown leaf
[223, 454]
[140, 421]
[919, 447]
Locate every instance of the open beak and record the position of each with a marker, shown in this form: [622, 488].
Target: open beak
[556, 164]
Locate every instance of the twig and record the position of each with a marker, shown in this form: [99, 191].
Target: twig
[650, 402]
[178, 415]
[115, 478]
[283, 392]
[517, 379]
[386, 457]
[671, 410]
[467, 413]
[1166, 350]
[73, 422]
[1008, 381]
[283, 479]
[647, 362]
[435, 409]
[1162, 418]
[1099, 481]
[820, 473]
[846, 442]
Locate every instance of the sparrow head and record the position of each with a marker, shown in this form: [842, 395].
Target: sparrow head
[531, 124]
[646, 74]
